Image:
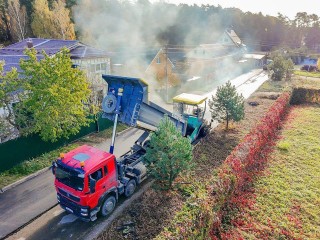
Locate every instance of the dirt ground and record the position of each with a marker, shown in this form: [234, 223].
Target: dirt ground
[148, 215]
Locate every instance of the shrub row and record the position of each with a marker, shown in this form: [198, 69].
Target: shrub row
[202, 215]
[303, 95]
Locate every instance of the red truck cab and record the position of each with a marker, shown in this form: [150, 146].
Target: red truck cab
[86, 182]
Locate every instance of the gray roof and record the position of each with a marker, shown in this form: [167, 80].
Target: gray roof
[13, 53]
[233, 36]
[176, 54]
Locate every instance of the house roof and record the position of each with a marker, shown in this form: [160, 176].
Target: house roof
[14, 52]
[233, 36]
[209, 51]
[50, 46]
[176, 54]
[253, 56]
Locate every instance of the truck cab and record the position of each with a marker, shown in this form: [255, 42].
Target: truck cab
[86, 182]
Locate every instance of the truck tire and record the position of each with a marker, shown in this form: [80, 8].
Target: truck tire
[108, 206]
[130, 188]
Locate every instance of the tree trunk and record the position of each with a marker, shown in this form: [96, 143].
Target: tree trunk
[97, 123]
[227, 124]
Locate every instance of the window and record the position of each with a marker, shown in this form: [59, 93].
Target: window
[103, 66]
[105, 170]
[158, 60]
[97, 175]
[98, 67]
[92, 68]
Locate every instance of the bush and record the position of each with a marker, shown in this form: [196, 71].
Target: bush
[304, 95]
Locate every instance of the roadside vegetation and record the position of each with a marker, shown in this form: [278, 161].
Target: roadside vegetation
[286, 199]
[31, 166]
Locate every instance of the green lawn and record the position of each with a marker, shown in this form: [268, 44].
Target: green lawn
[307, 74]
[288, 196]
[273, 86]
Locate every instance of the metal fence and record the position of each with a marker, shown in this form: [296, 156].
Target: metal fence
[21, 149]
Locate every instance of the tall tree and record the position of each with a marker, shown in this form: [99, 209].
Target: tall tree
[5, 34]
[168, 154]
[42, 24]
[18, 20]
[227, 105]
[61, 18]
[56, 94]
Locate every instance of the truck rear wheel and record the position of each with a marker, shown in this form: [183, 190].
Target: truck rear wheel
[108, 206]
[130, 188]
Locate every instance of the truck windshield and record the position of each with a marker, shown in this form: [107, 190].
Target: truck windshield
[70, 179]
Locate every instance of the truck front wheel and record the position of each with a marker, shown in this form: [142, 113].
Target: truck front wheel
[130, 188]
[108, 206]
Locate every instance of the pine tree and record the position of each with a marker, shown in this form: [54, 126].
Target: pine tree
[227, 105]
[168, 155]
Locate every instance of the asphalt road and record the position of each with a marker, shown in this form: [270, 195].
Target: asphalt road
[28, 200]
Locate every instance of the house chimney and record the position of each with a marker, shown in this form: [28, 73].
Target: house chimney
[29, 43]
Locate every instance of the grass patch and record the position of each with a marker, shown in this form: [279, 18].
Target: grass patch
[35, 164]
[283, 145]
[288, 197]
[307, 74]
[306, 83]
[273, 86]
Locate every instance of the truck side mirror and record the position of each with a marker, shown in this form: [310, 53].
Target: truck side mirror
[53, 167]
[92, 185]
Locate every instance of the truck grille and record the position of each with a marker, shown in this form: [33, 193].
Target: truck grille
[69, 195]
[67, 203]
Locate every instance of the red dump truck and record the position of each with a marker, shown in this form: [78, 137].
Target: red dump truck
[89, 181]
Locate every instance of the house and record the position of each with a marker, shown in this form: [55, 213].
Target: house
[254, 60]
[229, 38]
[194, 66]
[168, 62]
[93, 61]
[210, 60]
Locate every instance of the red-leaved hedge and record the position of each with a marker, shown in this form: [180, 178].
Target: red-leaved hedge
[244, 163]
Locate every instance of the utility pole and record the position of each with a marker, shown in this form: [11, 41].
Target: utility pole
[166, 71]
